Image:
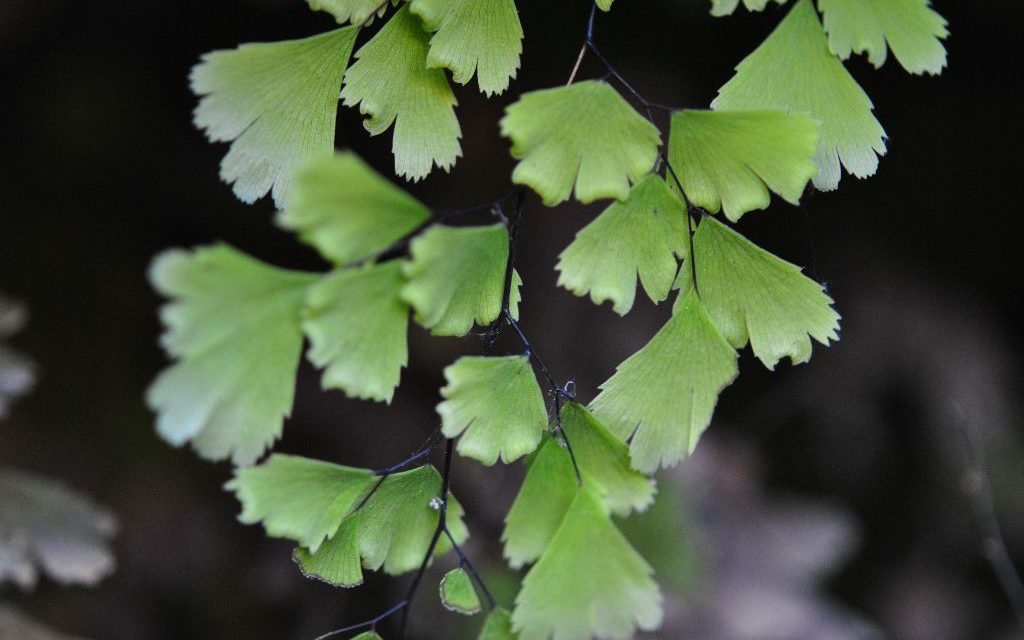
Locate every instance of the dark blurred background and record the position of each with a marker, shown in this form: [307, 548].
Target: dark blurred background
[828, 500]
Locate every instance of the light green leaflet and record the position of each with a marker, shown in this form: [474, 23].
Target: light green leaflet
[642, 236]
[495, 405]
[546, 494]
[357, 327]
[368, 635]
[664, 395]
[589, 583]
[550, 484]
[299, 498]
[233, 325]
[497, 626]
[277, 101]
[458, 594]
[473, 36]
[751, 294]
[729, 160]
[912, 29]
[355, 11]
[726, 7]
[585, 135]
[605, 5]
[391, 531]
[794, 70]
[335, 562]
[605, 460]
[391, 84]
[456, 276]
[347, 210]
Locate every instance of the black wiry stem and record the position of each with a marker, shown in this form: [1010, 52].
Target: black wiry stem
[369, 624]
[441, 527]
[465, 563]
[560, 393]
[428, 446]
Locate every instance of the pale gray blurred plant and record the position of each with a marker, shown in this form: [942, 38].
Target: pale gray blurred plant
[46, 528]
[17, 373]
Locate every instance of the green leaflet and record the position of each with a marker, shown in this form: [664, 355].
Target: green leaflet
[664, 395]
[336, 561]
[391, 84]
[456, 276]
[458, 594]
[233, 325]
[391, 531]
[497, 626]
[726, 7]
[348, 211]
[357, 327]
[605, 461]
[585, 135]
[729, 160]
[298, 498]
[753, 295]
[277, 101]
[473, 36]
[368, 635]
[546, 494]
[605, 5]
[641, 236]
[550, 484]
[589, 583]
[794, 70]
[355, 11]
[912, 29]
[495, 405]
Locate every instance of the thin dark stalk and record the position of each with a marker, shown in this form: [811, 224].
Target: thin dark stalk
[441, 526]
[565, 437]
[690, 210]
[647, 104]
[428, 446]
[468, 566]
[372, 624]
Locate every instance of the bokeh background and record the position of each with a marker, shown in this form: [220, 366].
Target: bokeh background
[827, 501]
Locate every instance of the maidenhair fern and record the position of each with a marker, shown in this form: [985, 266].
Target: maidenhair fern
[791, 115]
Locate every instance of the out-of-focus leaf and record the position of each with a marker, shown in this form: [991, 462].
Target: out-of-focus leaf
[17, 373]
[234, 325]
[46, 527]
[348, 211]
[498, 626]
[357, 327]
